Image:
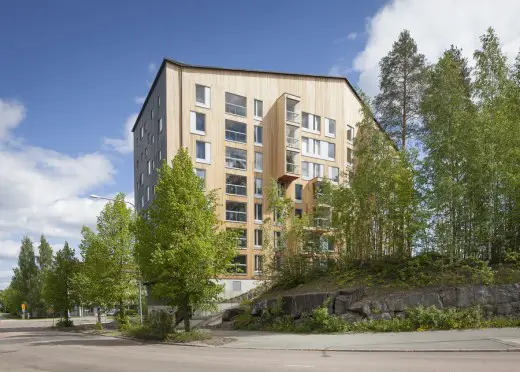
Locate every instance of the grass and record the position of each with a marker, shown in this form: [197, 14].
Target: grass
[145, 332]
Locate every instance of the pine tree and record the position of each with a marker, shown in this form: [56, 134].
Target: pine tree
[180, 243]
[401, 85]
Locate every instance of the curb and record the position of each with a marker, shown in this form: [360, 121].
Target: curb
[509, 350]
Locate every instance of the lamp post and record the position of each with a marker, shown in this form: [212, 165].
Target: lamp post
[93, 196]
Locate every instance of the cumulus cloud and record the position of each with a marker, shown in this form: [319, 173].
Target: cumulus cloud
[124, 145]
[11, 115]
[139, 100]
[435, 25]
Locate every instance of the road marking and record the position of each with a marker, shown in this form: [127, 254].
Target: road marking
[298, 366]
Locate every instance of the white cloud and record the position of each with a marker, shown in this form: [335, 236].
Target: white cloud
[435, 25]
[152, 68]
[352, 36]
[123, 145]
[139, 100]
[9, 249]
[11, 115]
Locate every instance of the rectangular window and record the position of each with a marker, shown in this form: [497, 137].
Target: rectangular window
[350, 133]
[298, 192]
[259, 162]
[298, 212]
[349, 155]
[259, 263]
[239, 265]
[334, 174]
[160, 154]
[146, 151]
[202, 96]
[330, 127]
[236, 185]
[151, 114]
[153, 138]
[236, 105]
[259, 109]
[326, 244]
[258, 135]
[160, 121]
[158, 101]
[311, 170]
[242, 238]
[153, 165]
[311, 123]
[142, 132]
[201, 173]
[236, 211]
[258, 187]
[236, 158]
[203, 152]
[137, 185]
[318, 170]
[258, 238]
[277, 240]
[149, 166]
[147, 193]
[331, 151]
[236, 131]
[258, 212]
[142, 201]
[305, 170]
[142, 178]
[197, 123]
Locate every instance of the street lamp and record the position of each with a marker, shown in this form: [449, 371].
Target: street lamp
[93, 196]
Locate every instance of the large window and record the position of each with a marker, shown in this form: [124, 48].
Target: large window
[258, 187]
[236, 105]
[350, 133]
[236, 185]
[201, 173]
[259, 162]
[197, 123]
[291, 162]
[236, 131]
[236, 158]
[311, 170]
[239, 265]
[318, 149]
[330, 127]
[259, 109]
[203, 152]
[202, 96]
[258, 212]
[349, 155]
[334, 174]
[258, 135]
[311, 123]
[258, 238]
[259, 263]
[298, 192]
[242, 238]
[236, 211]
[331, 151]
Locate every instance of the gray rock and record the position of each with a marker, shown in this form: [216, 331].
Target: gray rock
[448, 297]
[259, 307]
[505, 309]
[382, 316]
[361, 307]
[230, 314]
[350, 317]
[345, 298]
[508, 293]
[485, 295]
[400, 315]
[465, 297]
[395, 303]
[432, 299]
[377, 307]
[304, 304]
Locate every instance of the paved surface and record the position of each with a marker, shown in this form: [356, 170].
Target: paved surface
[33, 348]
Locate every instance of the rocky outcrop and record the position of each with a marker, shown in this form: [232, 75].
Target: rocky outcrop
[355, 304]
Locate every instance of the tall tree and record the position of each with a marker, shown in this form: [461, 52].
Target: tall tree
[401, 84]
[45, 261]
[59, 289]
[25, 280]
[180, 243]
[450, 147]
[108, 274]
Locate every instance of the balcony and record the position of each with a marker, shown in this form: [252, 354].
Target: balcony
[231, 108]
[236, 190]
[292, 116]
[292, 168]
[236, 216]
[235, 136]
[293, 142]
[321, 222]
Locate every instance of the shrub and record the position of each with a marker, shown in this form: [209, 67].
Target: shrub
[99, 326]
[64, 323]
[193, 335]
[432, 318]
[123, 321]
[162, 323]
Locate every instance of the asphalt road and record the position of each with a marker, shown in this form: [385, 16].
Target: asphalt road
[37, 349]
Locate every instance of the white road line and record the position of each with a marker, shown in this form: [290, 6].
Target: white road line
[298, 366]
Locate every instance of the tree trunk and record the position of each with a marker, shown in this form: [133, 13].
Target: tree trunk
[99, 315]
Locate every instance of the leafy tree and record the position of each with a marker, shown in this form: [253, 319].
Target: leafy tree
[180, 243]
[11, 299]
[25, 280]
[401, 85]
[44, 260]
[59, 290]
[108, 274]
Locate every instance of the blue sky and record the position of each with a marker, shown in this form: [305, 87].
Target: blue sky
[72, 74]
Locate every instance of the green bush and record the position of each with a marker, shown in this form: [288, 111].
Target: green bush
[64, 323]
[99, 326]
[191, 336]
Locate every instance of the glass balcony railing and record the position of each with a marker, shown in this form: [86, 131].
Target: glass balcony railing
[236, 189]
[232, 135]
[293, 142]
[293, 168]
[236, 163]
[321, 222]
[231, 108]
[292, 116]
[236, 216]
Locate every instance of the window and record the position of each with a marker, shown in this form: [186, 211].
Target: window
[258, 135]
[146, 127]
[137, 185]
[311, 123]
[291, 162]
[149, 166]
[197, 123]
[349, 155]
[277, 240]
[153, 165]
[142, 201]
[153, 138]
[142, 131]
[148, 138]
[326, 244]
[242, 238]
[311, 170]
[330, 127]
[236, 105]
[259, 162]
[259, 263]
[147, 193]
[236, 131]
[258, 213]
[318, 170]
[239, 265]
[151, 114]
[334, 174]
[298, 212]
[202, 96]
[137, 163]
[350, 133]
[259, 109]
[203, 150]
[258, 187]
[331, 151]
[153, 189]
[201, 173]
[237, 285]
[146, 151]
[236, 185]
[236, 158]
[160, 155]
[318, 149]
[158, 101]
[160, 121]
[141, 178]
[258, 238]
[236, 211]
[298, 192]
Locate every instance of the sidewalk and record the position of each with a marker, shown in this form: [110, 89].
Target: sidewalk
[502, 339]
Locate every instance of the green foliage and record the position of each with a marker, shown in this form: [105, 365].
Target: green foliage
[25, 281]
[191, 336]
[181, 245]
[45, 262]
[99, 326]
[64, 323]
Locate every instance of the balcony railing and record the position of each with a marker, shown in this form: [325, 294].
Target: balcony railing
[232, 135]
[321, 222]
[292, 116]
[242, 242]
[236, 216]
[293, 168]
[236, 163]
[236, 189]
[293, 142]
[231, 108]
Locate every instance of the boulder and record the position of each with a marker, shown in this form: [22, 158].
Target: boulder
[432, 299]
[258, 307]
[507, 293]
[384, 316]
[345, 298]
[230, 314]
[484, 295]
[448, 297]
[361, 307]
[303, 304]
[465, 297]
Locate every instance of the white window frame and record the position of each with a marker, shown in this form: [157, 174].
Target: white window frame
[351, 130]
[207, 153]
[313, 124]
[142, 131]
[142, 201]
[236, 159]
[261, 129]
[258, 236]
[255, 212]
[261, 181]
[259, 258]
[203, 172]
[149, 167]
[193, 123]
[141, 178]
[207, 97]
[328, 132]
[349, 151]
[331, 177]
[255, 102]
[147, 193]
[259, 167]
[160, 155]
